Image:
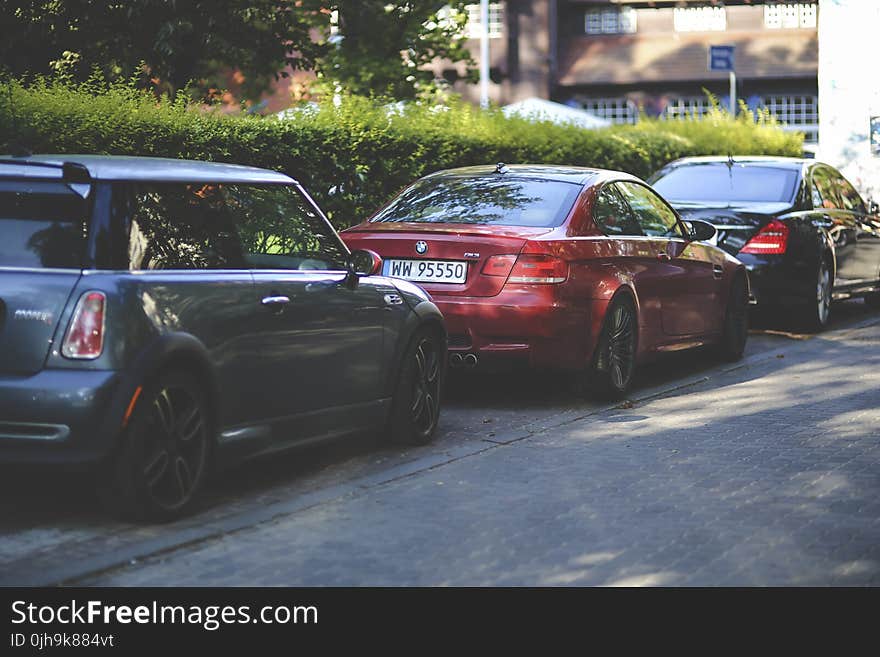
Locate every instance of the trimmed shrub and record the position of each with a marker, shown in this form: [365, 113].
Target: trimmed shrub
[353, 155]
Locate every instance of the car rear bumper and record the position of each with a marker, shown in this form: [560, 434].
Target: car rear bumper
[57, 416]
[775, 282]
[530, 327]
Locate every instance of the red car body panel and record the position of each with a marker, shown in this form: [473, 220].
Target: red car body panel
[679, 287]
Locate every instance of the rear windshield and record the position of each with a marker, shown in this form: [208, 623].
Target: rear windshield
[718, 182]
[41, 225]
[483, 200]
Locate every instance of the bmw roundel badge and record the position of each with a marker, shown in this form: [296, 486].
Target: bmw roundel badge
[421, 247]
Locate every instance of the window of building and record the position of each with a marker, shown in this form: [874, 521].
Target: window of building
[617, 110]
[800, 113]
[789, 16]
[610, 20]
[474, 27]
[687, 106]
[699, 19]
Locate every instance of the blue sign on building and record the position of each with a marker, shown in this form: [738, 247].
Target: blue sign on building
[721, 58]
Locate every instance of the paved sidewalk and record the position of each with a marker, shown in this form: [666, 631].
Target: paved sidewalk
[767, 475]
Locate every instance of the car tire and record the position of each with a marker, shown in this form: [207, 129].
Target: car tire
[735, 332]
[163, 458]
[817, 312]
[415, 408]
[613, 364]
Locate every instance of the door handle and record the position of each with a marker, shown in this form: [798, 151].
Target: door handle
[717, 271]
[663, 257]
[275, 301]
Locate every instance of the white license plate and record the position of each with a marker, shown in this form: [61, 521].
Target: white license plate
[427, 271]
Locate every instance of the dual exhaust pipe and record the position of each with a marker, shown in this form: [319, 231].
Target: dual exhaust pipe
[467, 361]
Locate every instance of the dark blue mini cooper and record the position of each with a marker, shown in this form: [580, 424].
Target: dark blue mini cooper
[158, 317]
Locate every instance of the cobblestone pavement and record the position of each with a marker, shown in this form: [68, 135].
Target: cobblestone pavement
[763, 475]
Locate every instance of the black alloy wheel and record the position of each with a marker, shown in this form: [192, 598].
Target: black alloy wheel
[416, 405]
[164, 457]
[614, 361]
[736, 321]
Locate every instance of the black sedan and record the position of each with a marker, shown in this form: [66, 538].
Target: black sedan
[159, 315]
[801, 229]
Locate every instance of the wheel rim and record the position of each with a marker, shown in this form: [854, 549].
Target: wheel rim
[621, 346]
[175, 443]
[426, 403]
[823, 293]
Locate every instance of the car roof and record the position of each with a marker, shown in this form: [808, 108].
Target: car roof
[777, 161]
[561, 173]
[153, 169]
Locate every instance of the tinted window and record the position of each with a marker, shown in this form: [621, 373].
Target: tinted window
[493, 199]
[613, 215]
[719, 183]
[182, 226]
[824, 192]
[280, 229]
[850, 197]
[41, 225]
[228, 226]
[653, 215]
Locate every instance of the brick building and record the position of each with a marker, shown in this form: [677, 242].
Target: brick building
[617, 57]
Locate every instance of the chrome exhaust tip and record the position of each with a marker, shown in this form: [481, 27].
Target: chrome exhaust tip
[469, 361]
[455, 360]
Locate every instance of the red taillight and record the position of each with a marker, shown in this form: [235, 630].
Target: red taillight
[498, 265]
[772, 239]
[530, 268]
[85, 335]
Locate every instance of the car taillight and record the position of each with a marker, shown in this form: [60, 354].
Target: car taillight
[85, 335]
[530, 268]
[498, 265]
[772, 239]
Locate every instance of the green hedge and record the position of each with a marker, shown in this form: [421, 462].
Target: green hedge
[354, 155]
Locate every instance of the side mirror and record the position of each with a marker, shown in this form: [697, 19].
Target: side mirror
[873, 207]
[363, 262]
[700, 231]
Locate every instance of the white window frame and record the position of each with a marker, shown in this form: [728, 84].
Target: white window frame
[473, 29]
[616, 109]
[795, 113]
[610, 20]
[699, 19]
[685, 106]
[787, 16]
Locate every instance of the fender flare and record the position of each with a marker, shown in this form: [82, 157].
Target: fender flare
[170, 349]
[425, 314]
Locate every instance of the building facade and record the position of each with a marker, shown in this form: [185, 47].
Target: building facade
[617, 58]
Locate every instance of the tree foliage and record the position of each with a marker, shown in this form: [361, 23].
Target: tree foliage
[171, 43]
[382, 48]
[353, 155]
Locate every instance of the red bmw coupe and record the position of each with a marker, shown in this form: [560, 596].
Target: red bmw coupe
[566, 268]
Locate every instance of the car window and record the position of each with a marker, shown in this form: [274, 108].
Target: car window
[41, 225]
[494, 199]
[182, 226]
[280, 229]
[719, 182]
[653, 215]
[848, 195]
[612, 214]
[824, 191]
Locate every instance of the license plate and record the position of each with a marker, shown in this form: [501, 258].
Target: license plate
[427, 271]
